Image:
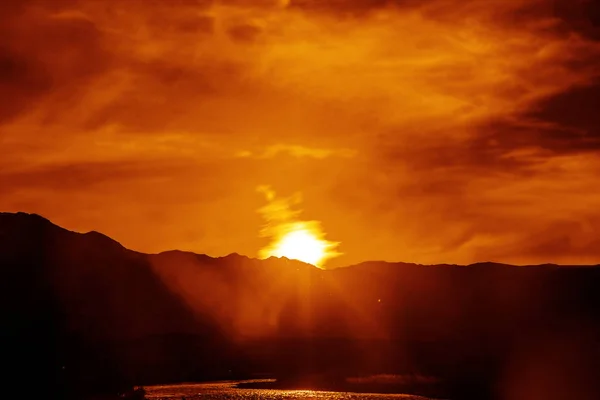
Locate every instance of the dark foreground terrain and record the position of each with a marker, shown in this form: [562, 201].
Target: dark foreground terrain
[82, 315]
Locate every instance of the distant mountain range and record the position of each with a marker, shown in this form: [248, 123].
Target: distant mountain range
[82, 313]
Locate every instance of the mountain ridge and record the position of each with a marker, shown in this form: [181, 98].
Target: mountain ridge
[102, 236]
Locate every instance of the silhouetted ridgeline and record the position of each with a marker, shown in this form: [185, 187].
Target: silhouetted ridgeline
[82, 313]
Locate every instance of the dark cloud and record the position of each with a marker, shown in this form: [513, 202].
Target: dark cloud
[41, 56]
[352, 6]
[251, 3]
[244, 33]
[562, 241]
[573, 118]
[581, 16]
[567, 16]
[157, 94]
[73, 176]
[21, 82]
[196, 24]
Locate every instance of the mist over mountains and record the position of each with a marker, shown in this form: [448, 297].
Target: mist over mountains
[83, 313]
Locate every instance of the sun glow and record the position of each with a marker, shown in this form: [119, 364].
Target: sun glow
[291, 237]
[302, 245]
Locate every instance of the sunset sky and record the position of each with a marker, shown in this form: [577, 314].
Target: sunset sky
[431, 131]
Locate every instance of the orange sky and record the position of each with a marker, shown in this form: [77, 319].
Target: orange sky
[422, 131]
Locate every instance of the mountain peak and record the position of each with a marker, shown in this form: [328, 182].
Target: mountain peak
[22, 216]
[100, 237]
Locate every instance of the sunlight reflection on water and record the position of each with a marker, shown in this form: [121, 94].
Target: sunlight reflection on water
[227, 390]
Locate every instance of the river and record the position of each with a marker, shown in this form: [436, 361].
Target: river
[228, 390]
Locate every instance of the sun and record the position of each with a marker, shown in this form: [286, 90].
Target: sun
[301, 240]
[302, 245]
[291, 237]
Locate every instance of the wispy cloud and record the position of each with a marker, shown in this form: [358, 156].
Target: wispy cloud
[297, 151]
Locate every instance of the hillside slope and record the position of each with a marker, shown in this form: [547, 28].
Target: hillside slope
[82, 313]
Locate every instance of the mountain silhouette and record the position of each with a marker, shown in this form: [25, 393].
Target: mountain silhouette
[83, 314]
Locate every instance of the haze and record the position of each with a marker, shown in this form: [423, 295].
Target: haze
[424, 131]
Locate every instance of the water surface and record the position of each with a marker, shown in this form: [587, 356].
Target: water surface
[228, 390]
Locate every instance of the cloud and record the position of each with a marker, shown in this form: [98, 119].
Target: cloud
[298, 152]
[441, 130]
[44, 56]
